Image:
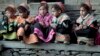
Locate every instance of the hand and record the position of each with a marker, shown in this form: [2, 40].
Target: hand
[31, 19]
[78, 27]
[84, 26]
[41, 23]
[53, 26]
[26, 27]
[28, 20]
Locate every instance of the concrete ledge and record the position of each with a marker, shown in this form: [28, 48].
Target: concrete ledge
[48, 46]
[0, 47]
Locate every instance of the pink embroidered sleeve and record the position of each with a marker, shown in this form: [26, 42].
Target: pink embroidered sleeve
[48, 20]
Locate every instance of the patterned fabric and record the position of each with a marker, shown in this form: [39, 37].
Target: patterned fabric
[1, 27]
[87, 20]
[54, 22]
[88, 30]
[23, 22]
[44, 32]
[62, 23]
[46, 19]
[42, 37]
[59, 20]
[9, 29]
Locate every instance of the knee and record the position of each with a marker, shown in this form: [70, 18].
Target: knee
[31, 39]
[20, 31]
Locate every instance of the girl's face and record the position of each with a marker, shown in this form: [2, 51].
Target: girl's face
[55, 12]
[22, 14]
[83, 12]
[9, 14]
[42, 11]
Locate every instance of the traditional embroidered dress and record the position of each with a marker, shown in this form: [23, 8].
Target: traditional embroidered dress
[62, 24]
[9, 29]
[88, 32]
[87, 20]
[22, 22]
[44, 32]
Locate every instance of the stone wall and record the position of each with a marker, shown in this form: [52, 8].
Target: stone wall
[95, 3]
[18, 48]
[4, 3]
[72, 6]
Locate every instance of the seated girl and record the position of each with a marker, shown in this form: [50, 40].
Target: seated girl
[9, 24]
[86, 26]
[42, 29]
[61, 23]
[24, 21]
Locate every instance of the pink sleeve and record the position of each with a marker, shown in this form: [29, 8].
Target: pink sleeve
[37, 18]
[48, 21]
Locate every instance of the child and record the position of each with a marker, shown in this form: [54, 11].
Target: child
[42, 28]
[86, 24]
[61, 22]
[9, 23]
[24, 22]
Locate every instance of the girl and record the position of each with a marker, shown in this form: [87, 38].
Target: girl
[85, 26]
[61, 22]
[42, 29]
[24, 22]
[9, 23]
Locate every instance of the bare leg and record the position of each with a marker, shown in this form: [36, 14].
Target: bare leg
[62, 38]
[31, 39]
[90, 42]
[20, 33]
[67, 39]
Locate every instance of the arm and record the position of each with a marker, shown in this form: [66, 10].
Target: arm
[77, 25]
[53, 23]
[31, 19]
